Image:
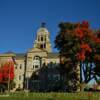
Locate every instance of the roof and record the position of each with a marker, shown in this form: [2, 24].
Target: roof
[53, 55]
[36, 50]
[43, 31]
[20, 55]
[7, 54]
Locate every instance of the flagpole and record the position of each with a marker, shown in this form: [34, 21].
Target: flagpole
[9, 80]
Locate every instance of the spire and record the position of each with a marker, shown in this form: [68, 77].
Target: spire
[43, 24]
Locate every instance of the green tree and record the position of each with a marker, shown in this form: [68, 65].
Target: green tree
[67, 46]
[97, 58]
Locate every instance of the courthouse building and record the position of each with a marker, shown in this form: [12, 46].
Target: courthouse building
[31, 64]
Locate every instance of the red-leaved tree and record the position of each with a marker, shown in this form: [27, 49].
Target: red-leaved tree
[79, 43]
[7, 72]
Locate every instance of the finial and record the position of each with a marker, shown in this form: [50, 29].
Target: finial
[43, 24]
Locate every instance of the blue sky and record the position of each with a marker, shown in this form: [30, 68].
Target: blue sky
[20, 19]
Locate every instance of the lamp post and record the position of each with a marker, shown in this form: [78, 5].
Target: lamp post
[27, 83]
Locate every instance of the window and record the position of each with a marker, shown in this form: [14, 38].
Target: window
[15, 67]
[36, 58]
[36, 66]
[56, 77]
[36, 61]
[45, 38]
[41, 38]
[50, 65]
[50, 77]
[44, 45]
[33, 66]
[41, 46]
[20, 77]
[19, 85]
[38, 39]
[20, 66]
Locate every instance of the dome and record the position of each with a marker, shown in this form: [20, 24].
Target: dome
[43, 30]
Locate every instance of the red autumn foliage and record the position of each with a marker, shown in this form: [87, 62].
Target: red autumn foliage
[85, 24]
[79, 33]
[7, 72]
[81, 56]
[96, 39]
[85, 47]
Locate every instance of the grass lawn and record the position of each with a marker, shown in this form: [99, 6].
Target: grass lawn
[51, 96]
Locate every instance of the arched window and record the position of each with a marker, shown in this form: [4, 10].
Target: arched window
[45, 38]
[36, 57]
[36, 62]
[41, 46]
[44, 45]
[20, 77]
[20, 66]
[41, 38]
